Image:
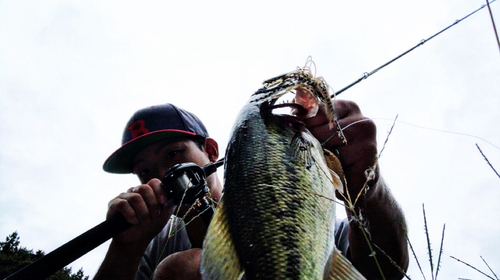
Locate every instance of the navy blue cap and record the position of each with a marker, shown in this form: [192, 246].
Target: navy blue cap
[150, 125]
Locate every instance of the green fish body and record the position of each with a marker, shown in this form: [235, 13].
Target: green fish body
[277, 215]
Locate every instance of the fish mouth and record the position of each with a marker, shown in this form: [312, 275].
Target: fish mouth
[296, 110]
[304, 104]
[289, 113]
[294, 119]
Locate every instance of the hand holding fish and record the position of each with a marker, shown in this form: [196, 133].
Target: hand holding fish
[376, 210]
[360, 152]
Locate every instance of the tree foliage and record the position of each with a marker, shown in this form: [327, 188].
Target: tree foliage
[14, 257]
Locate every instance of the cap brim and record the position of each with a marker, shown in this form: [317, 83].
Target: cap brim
[120, 161]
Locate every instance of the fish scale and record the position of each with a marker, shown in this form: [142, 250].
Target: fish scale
[276, 217]
[267, 233]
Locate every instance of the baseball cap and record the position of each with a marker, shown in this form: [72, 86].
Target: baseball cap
[150, 125]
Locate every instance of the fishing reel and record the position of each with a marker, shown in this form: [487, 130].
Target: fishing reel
[186, 184]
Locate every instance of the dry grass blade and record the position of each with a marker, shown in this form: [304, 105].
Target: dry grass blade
[489, 267]
[494, 26]
[485, 158]
[370, 173]
[428, 243]
[391, 261]
[388, 134]
[415, 256]
[440, 252]
[429, 248]
[473, 267]
[368, 242]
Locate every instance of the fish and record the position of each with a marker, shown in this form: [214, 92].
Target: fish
[276, 217]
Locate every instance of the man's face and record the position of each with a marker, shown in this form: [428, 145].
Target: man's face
[154, 160]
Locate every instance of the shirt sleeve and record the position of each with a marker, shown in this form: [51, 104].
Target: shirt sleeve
[341, 235]
[162, 246]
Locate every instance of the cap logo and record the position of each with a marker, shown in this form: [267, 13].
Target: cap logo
[137, 128]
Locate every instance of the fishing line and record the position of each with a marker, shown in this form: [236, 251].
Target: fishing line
[423, 41]
[439, 130]
[413, 125]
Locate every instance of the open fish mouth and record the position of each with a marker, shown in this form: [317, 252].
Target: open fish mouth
[303, 105]
[293, 118]
[298, 91]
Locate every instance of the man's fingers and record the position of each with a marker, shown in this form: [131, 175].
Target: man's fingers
[137, 204]
[345, 108]
[148, 195]
[157, 188]
[122, 205]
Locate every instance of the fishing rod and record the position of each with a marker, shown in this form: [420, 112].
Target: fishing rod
[423, 41]
[184, 183]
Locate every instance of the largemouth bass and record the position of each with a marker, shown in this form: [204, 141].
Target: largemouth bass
[277, 215]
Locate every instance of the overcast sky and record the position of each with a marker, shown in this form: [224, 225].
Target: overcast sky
[73, 72]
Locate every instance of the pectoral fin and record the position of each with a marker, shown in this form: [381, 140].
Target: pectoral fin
[336, 170]
[340, 268]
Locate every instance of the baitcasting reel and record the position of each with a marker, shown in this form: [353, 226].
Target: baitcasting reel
[186, 184]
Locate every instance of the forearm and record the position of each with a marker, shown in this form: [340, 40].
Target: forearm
[384, 225]
[120, 262]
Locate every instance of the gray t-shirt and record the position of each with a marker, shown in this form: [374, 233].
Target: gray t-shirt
[162, 246]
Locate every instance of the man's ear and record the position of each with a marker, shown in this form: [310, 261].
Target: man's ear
[212, 149]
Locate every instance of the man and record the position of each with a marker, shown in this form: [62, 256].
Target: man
[159, 137]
